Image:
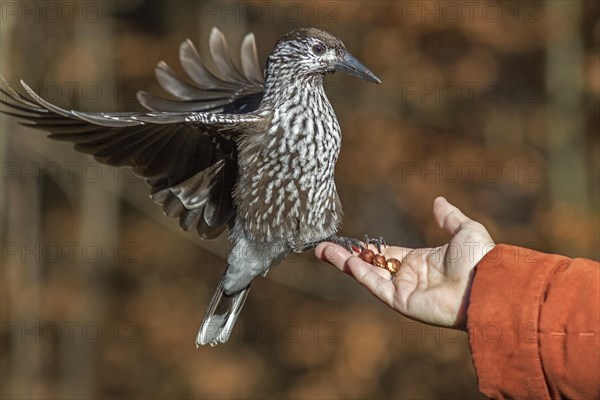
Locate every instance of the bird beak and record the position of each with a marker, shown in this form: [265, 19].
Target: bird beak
[348, 63]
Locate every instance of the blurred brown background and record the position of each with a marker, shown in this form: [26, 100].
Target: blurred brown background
[491, 104]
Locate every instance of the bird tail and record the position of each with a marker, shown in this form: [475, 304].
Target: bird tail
[221, 315]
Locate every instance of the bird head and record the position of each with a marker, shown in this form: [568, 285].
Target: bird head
[310, 52]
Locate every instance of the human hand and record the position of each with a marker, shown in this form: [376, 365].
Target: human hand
[433, 284]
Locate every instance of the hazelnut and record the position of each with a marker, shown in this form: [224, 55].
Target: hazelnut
[379, 260]
[367, 255]
[392, 265]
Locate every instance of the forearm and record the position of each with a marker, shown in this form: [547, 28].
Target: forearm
[533, 322]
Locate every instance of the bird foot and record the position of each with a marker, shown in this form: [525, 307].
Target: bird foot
[378, 242]
[350, 244]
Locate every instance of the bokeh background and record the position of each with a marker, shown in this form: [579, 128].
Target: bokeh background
[491, 104]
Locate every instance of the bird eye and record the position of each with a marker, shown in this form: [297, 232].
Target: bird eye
[318, 49]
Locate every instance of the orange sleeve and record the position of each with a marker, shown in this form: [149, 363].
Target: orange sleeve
[534, 325]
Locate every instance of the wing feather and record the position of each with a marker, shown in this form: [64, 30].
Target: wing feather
[229, 90]
[195, 68]
[183, 147]
[222, 58]
[168, 149]
[249, 59]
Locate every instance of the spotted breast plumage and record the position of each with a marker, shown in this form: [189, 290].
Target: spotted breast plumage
[235, 149]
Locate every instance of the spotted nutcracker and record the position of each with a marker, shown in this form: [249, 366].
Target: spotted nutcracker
[235, 149]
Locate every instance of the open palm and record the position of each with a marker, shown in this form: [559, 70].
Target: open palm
[433, 284]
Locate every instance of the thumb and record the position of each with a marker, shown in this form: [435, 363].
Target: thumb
[447, 216]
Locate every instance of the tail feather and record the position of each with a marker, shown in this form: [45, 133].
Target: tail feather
[221, 315]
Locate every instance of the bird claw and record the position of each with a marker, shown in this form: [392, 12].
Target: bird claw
[378, 242]
[347, 243]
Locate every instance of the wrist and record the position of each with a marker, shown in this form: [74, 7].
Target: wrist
[466, 300]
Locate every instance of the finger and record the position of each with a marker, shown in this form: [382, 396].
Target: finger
[447, 216]
[369, 276]
[332, 253]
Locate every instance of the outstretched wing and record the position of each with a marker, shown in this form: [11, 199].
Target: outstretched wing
[229, 90]
[189, 159]
[184, 147]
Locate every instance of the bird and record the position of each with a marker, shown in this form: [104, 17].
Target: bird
[242, 149]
